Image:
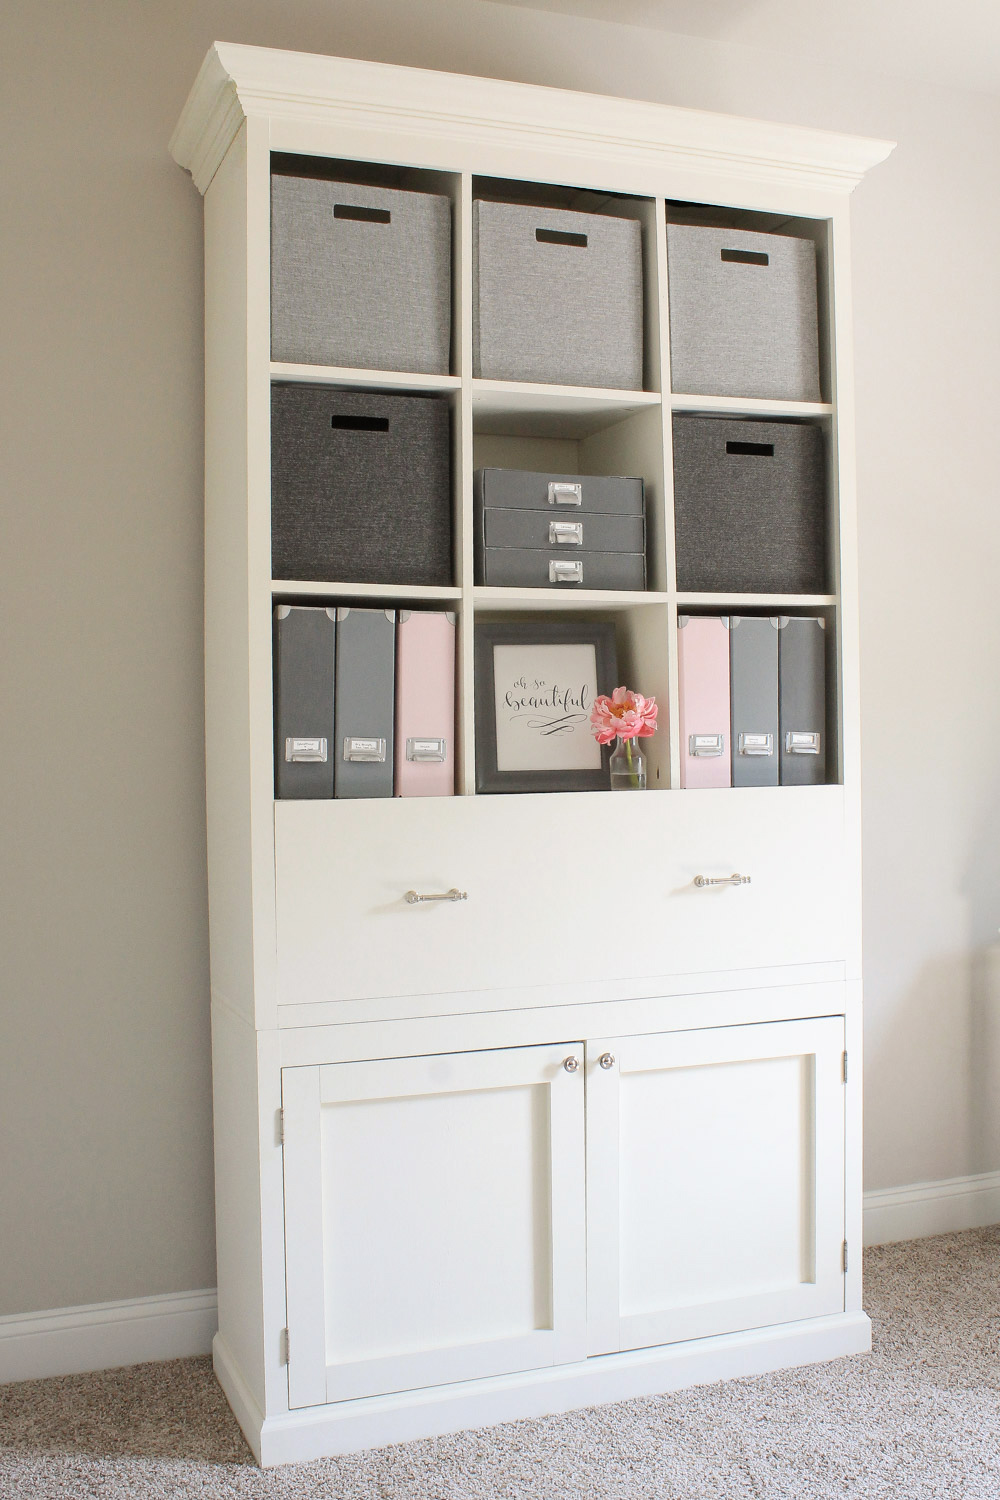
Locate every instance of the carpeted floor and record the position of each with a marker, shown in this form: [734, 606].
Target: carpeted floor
[916, 1419]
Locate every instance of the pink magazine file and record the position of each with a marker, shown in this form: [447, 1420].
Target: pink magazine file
[703, 683]
[425, 704]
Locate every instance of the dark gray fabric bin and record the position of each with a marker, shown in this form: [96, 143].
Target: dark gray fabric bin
[360, 276]
[360, 486]
[749, 506]
[565, 310]
[743, 314]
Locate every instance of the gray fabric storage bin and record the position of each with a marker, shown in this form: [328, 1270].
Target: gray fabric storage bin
[360, 486]
[536, 530]
[360, 276]
[749, 506]
[565, 310]
[743, 314]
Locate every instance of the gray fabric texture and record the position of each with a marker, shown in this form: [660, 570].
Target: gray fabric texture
[749, 523]
[366, 698]
[360, 506]
[738, 328]
[513, 567]
[365, 295]
[802, 697]
[753, 676]
[524, 489]
[556, 314]
[917, 1419]
[303, 697]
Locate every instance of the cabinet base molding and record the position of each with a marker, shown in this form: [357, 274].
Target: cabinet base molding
[378, 1421]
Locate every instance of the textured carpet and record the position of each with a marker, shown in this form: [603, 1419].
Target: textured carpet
[919, 1417]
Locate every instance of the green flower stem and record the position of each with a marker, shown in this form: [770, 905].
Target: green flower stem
[631, 767]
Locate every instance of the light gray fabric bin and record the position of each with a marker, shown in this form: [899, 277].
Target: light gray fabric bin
[360, 276]
[563, 312]
[749, 506]
[360, 486]
[740, 326]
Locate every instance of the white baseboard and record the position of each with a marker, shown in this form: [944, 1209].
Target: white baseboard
[71, 1340]
[923, 1208]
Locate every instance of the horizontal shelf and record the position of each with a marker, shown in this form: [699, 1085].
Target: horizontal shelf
[568, 411]
[546, 599]
[758, 601]
[306, 589]
[750, 406]
[391, 380]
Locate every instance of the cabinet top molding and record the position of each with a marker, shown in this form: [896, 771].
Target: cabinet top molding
[237, 82]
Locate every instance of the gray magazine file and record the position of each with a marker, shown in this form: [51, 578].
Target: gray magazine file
[802, 701]
[303, 701]
[366, 680]
[360, 276]
[753, 667]
[749, 506]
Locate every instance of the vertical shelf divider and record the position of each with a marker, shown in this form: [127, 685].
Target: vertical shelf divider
[669, 560]
[465, 726]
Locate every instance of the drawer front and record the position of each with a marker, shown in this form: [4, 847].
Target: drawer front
[562, 568]
[590, 533]
[574, 495]
[551, 896]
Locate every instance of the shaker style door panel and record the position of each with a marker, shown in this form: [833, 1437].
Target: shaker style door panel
[434, 1220]
[716, 1159]
[542, 907]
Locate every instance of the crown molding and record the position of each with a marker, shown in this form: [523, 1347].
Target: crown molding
[237, 81]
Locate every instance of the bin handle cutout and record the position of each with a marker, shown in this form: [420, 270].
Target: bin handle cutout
[746, 257]
[360, 424]
[752, 450]
[362, 215]
[560, 237]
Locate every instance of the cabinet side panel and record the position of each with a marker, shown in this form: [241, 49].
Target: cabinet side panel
[240, 907]
[237, 1196]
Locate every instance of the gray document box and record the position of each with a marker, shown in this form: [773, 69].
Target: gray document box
[743, 319]
[802, 701]
[753, 676]
[303, 701]
[360, 276]
[749, 506]
[557, 298]
[559, 530]
[360, 486]
[366, 680]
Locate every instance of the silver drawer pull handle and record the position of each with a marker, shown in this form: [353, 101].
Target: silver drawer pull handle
[703, 880]
[413, 898]
[565, 572]
[571, 1064]
[565, 533]
[561, 493]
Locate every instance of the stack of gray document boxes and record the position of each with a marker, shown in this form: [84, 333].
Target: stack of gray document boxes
[559, 530]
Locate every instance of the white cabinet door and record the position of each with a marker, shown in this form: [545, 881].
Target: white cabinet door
[434, 1219]
[715, 1181]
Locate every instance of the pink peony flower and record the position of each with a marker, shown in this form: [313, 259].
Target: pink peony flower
[625, 713]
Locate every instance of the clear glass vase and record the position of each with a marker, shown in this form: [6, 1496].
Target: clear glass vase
[628, 767]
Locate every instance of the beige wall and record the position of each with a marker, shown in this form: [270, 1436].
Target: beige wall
[104, 1075]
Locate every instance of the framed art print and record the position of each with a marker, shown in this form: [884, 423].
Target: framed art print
[535, 688]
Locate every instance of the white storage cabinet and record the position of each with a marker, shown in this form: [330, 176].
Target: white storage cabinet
[591, 1132]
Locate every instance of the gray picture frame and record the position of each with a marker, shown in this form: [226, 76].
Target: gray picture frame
[600, 635]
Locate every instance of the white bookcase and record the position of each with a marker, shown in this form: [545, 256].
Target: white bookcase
[590, 1133]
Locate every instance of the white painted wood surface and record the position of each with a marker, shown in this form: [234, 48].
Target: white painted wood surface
[434, 1219]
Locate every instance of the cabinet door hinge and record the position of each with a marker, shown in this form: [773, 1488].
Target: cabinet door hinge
[845, 1067]
[846, 1261]
[284, 1346]
[279, 1127]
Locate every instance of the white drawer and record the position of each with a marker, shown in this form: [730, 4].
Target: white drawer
[554, 896]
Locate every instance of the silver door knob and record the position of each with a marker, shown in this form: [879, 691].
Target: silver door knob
[606, 1060]
[571, 1064]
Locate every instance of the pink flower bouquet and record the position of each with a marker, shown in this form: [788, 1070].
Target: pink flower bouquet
[625, 715]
